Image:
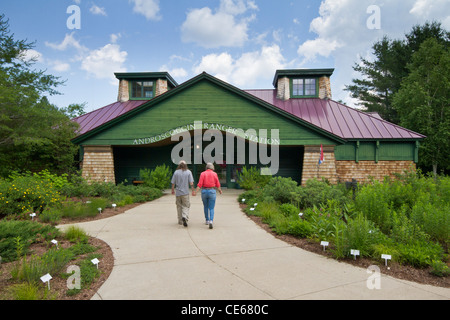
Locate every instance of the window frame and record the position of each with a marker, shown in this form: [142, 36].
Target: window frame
[291, 82]
[131, 83]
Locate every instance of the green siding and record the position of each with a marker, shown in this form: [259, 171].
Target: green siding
[208, 103]
[369, 151]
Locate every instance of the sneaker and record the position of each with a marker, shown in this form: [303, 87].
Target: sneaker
[206, 222]
[210, 225]
[184, 222]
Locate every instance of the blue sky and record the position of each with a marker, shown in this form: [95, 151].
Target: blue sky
[242, 42]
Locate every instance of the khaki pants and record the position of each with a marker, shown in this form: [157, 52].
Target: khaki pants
[183, 205]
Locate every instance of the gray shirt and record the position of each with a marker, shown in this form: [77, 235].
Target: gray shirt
[182, 179]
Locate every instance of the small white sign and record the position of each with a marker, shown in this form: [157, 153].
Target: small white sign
[243, 200]
[95, 261]
[32, 215]
[354, 252]
[99, 210]
[251, 209]
[324, 244]
[300, 214]
[55, 242]
[386, 257]
[255, 204]
[46, 278]
[114, 206]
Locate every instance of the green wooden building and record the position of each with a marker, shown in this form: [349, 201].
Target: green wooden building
[299, 116]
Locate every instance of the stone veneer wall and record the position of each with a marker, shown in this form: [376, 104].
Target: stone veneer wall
[283, 89]
[98, 164]
[124, 93]
[324, 88]
[161, 87]
[363, 170]
[326, 170]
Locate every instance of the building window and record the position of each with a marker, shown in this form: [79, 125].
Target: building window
[304, 87]
[142, 89]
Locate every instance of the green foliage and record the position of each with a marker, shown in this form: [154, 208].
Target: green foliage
[158, 178]
[316, 193]
[381, 77]
[250, 179]
[34, 134]
[280, 189]
[423, 101]
[28, 193]
[76, 234]
[407, 218]
[53, 261]
[17, 236]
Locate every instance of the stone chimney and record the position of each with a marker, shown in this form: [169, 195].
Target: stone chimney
[124, 93]
[325, 87]
[283, 89]
[161, 87]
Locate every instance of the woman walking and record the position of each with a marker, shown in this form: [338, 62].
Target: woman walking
[208, 182]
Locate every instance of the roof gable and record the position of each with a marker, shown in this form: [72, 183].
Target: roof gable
[208, 99]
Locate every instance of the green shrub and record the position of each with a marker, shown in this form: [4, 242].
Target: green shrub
[288, 210]
[75, 234]
[280, 189]
[32, 269]
[439, 268]
[300, 228]
[28, 232]
[250, 179]
[316, 193]
[27, 193]
[159, 178]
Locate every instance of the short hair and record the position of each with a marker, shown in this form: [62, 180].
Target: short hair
[182, 165]
[209, 165]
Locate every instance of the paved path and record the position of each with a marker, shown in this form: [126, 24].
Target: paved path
[155, 258]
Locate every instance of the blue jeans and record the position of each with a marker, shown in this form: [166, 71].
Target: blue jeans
[209, 201]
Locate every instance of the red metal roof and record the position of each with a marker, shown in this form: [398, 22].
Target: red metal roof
[336, 118]
[96, 118]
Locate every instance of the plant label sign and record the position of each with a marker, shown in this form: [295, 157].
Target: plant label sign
[46, 278]
[324, 244]
[55, 242]
[32, 215]
[95, 261]
[354, 252]
[386, 257]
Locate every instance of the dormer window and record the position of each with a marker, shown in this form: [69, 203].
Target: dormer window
[306, 87]
[142, 89]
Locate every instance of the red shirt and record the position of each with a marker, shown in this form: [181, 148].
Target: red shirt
[208, 179]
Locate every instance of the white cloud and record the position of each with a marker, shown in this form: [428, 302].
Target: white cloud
[222, 28]
[68, 42]
[250, 69]
[148, 8]
[97, 10]
[103, 62]
[341, 33]
[59, 66]
[427, 9]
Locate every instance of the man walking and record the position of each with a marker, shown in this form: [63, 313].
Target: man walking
[181, 180]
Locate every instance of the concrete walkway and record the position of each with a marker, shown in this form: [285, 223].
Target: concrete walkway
[155, 258]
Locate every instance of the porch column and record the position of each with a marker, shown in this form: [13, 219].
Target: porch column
[98, 164]
[311, 168]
